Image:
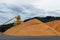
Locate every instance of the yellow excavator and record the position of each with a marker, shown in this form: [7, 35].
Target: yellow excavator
[17, 22]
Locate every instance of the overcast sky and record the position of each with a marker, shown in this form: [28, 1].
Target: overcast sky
[40, 4]
[28, 9]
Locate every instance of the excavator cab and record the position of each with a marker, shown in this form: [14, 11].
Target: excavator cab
[18, 20]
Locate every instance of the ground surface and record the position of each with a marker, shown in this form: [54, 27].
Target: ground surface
[5, 37]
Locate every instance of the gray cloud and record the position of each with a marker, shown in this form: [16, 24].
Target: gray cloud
[26, 11]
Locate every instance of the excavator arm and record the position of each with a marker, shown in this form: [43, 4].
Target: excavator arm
[15, 22]
[7, 21]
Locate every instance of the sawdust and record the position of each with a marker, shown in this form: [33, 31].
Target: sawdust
[32, 28]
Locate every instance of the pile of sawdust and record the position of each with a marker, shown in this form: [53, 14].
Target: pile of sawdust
[55, 24]
[32, 28]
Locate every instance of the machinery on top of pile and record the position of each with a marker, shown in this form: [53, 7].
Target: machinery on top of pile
[18, 20]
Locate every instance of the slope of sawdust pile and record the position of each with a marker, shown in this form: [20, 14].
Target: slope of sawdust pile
[32, 28]
[55, 24]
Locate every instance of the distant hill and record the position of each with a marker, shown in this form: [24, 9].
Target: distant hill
[44, 19]
[3, 28]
